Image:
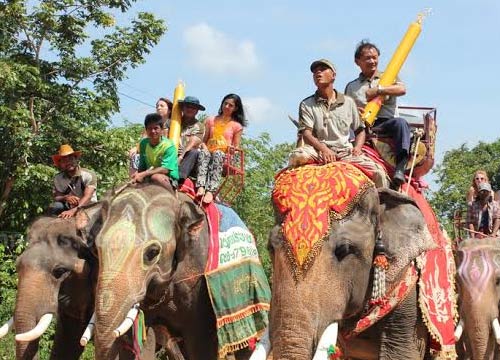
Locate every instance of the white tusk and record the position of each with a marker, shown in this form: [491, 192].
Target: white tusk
[37, 331]
[459, 330]
[4, 330]
[262, 348]
[128, 322]
[328, 338]
[89, 331]
[496, 329]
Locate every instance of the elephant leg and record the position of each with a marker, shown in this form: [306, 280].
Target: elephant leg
[404, 335]
[168, 342]
[243, 354]
[67, 338]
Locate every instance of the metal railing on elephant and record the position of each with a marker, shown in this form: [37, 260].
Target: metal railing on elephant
[233, 176]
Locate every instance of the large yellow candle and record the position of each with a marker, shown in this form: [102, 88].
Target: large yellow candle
[175, 121]
[392, 70]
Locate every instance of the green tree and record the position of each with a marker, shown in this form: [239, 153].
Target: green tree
[254, 205]
[454, 176]
[58, 85]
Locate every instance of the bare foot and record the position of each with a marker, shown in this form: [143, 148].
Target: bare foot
[208, 198]
[200, 192]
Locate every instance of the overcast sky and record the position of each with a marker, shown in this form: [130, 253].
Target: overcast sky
[262, 50]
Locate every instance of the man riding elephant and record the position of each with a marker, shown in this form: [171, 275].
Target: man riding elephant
[74, 186]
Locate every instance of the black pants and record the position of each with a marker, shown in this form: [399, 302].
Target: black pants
[399, 130]
[188, 165]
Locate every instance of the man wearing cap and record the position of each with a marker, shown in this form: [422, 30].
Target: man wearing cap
[365, 88]
[74, 186]
[191, 137]
[483, 214]
[325, 121]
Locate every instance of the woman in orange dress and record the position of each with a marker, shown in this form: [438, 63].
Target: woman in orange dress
[221, 132]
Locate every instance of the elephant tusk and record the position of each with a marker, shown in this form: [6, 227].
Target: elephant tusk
[496, 329]
[81, 267]
[328, 338]
[459, 330]
[37, 331]
[128, 322]
[4, 330]
[89, 331]
[262, 348]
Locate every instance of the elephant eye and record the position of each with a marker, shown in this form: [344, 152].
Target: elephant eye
[151, 253]
[59, 271]
[65, 241]
[344, 249]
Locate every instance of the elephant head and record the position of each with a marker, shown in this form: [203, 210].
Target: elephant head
[478, 275]
[322, 251]
[54, 278]
[136, 247]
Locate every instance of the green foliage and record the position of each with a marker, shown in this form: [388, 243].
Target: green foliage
[58, 85]
[262, 162]
[8, 283]
[455, 173]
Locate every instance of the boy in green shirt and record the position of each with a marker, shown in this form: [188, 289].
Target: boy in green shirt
[158, 156]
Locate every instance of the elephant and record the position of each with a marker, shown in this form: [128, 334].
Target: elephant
[326, 286]
[59, 266]
[55, 277]
[478, 279]
[153, 250]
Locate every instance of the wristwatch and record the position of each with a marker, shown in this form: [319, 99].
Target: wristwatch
[379, 89]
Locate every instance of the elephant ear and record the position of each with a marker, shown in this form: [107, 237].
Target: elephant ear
[403, 229]
[88, 222]
[192, 220]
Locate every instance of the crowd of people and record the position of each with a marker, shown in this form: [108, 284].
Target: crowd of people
[330, 129]
[199, 156]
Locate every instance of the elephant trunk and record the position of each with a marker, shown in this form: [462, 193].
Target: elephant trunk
[480, 335]
[33, 285]
[114, 299]
[292, 328]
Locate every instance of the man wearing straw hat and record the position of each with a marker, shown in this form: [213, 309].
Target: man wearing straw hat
[74, 186]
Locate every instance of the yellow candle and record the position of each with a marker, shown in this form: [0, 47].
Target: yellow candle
[175, 121]
[392, 70]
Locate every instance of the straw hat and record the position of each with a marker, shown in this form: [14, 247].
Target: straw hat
[65, 150]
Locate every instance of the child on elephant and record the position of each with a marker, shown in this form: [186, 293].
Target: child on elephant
[221, 132]
[158, 156]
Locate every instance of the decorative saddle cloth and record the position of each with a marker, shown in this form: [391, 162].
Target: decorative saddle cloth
[309, 197]
[237, 285]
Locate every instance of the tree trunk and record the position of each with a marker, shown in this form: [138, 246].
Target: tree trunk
[9, 184]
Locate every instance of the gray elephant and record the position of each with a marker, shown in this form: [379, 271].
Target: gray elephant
[478, 275]
[153, 252]
[322, 251]
[57, 276]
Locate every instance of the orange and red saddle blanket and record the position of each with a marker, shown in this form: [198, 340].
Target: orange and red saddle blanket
[309, 196]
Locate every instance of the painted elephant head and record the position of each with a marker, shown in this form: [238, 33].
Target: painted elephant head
[54, 278]
[478, 275]
[136, 248]
[322, 251]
